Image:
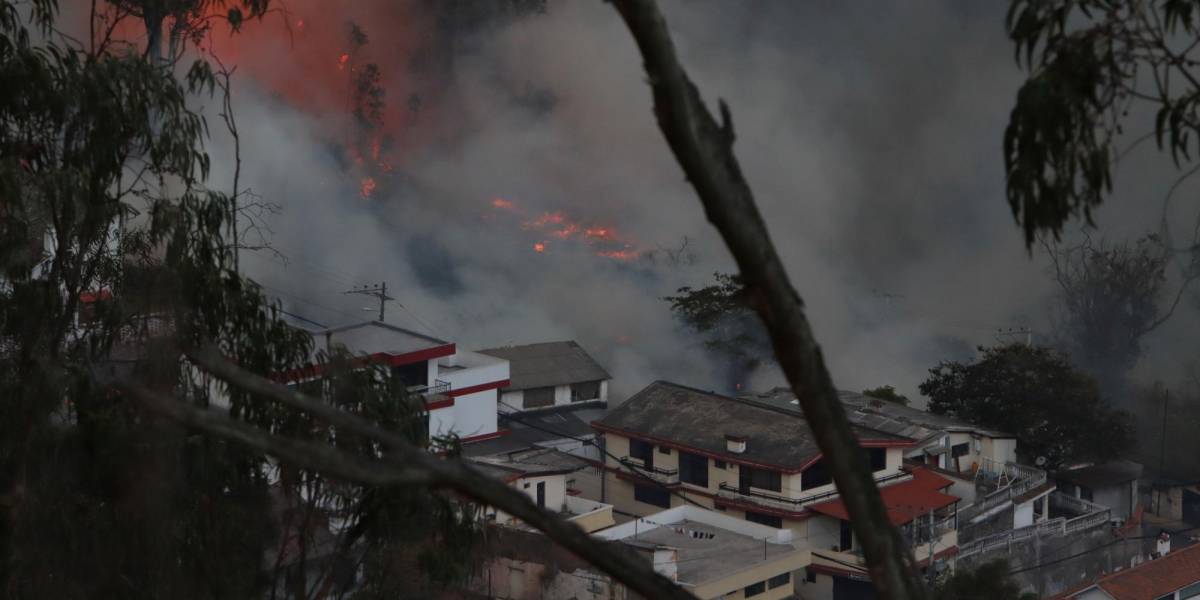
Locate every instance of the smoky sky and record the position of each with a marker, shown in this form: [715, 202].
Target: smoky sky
[870, 133]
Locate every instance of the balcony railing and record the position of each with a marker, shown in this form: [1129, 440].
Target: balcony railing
[660, 474]
[789, 502]
[437, 387]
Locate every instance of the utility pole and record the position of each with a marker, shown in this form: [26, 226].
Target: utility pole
[929, 566]
[1162, 445]
[378, 291]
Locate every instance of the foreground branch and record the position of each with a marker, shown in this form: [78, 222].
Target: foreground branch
[705, 151]
[405, 458]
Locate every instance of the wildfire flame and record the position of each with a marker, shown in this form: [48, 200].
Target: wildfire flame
[367, 187]
[607, 242]
[342, 60]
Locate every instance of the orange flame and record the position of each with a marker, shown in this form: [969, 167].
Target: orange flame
[539, 247]
[367, 187]
[342, 60]
[502, 203]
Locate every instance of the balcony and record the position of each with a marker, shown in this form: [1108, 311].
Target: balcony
[437, 388]
[779, 501]
[659, 474]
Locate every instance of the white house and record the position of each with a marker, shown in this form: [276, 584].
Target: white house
[461, 388]
[549, 375]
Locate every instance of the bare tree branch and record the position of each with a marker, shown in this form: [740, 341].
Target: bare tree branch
[704, 149]
[320, 457]
[452, 474]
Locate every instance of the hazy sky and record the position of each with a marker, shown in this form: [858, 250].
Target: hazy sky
[870, 134]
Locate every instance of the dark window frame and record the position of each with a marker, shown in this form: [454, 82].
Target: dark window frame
[693, 469]
[958, 450]
[755, 589]
[816, 475]
[763, 479]
[779, 580]
[877, 457]
[577, 396]
[764, 519]
[652, 495]
[539, 396]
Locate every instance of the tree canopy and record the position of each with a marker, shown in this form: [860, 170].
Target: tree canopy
[1034, 393]
[729, 327]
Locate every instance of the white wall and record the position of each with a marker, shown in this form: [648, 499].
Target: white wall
[1023, 514]
[475, 414]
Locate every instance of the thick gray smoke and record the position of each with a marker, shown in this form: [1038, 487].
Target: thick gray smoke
[871, 136]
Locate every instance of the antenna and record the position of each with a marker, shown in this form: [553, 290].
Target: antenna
[378, 291]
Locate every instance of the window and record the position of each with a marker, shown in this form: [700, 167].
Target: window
[958, 450]
[847, 537]
[582, 392]
[642, 450]
[652, 495]
[815, 476]
[539, 397]
[693, 469]
[760, 478]
[756, 589]
[1191, 591]
[878, 459]
[720, 464]
[761, 519]
[664, 450]
[810, 575]
[779, 580]
[1085, 493]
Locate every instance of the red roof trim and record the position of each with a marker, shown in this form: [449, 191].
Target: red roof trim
[485, 436]
[430, 406]
[483, 387]
[394, 360]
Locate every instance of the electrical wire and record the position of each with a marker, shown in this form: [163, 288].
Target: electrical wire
[592, 443]
[1096, 549]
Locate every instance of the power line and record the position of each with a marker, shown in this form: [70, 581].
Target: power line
[1096, 549]
[602, 449]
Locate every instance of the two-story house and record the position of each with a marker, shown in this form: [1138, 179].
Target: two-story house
[460, 387]
[551, 375]
[669, 445]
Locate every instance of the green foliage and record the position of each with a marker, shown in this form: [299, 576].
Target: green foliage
[730, 328]
[101, 162]
[887, 393]
[989, 581]
[1036, 394]
[1089, 60]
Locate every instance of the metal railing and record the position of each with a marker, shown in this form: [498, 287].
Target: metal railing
[1088, 521]
[662, 474]
[1024, 479]
[437, 387]
[798, 502]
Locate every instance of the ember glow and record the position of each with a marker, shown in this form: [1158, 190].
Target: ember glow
[605, 241]
[367, 187]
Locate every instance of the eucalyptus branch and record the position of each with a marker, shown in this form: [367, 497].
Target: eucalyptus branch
[704, 149]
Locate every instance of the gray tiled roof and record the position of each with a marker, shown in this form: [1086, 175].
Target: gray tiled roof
[906, 421]
[699, 419]
[548, 364]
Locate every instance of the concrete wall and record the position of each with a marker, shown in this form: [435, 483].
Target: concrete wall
[556, 493]
[1120, 499]
[475, 414]
[821, 589]
[1097, 549]
[1023, 515]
